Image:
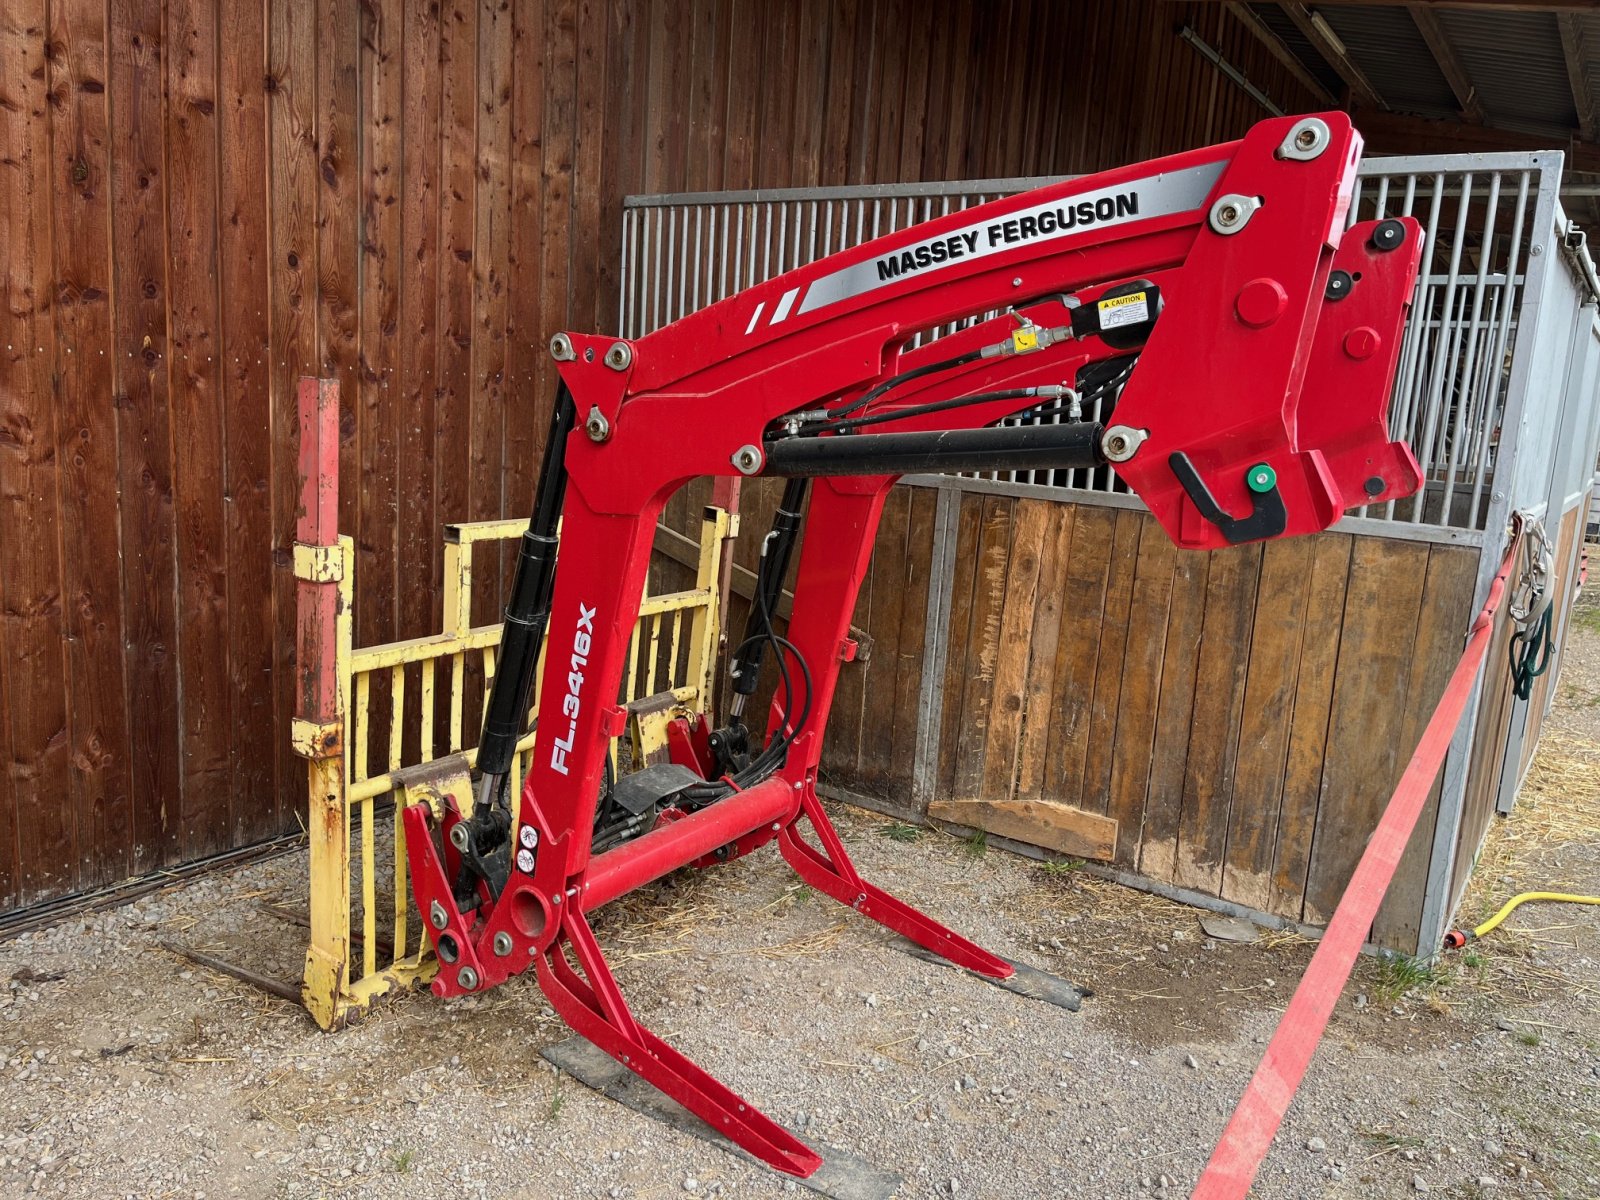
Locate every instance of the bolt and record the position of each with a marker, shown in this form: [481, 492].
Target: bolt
[1017, 281]
[596, 426]
[747, 459]
[467, 978]
[438, 916]
[1229, 215]
[502, 943]
[1116, 444]
[1306, 139]
[460, 837]
[620, 356]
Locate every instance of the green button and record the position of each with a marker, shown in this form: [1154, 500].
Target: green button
[1261, 478]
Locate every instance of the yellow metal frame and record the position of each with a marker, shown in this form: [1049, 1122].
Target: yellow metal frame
[673, 651]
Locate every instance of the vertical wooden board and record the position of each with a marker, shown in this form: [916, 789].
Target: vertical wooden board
[95, 791]
[528, 403]
[37, 858]
[1022, 584]
[292, 292]
[1364, 755]
[242, 267]
[338, 237]
[418, 562]
[886, 626]
[865, 81]
[963, 569]
[560, 32]
[142, 398]
[458, 109]
[910, 663]
[381, 417]
[705, 117]
[914, 106]
[981, 53]
[623, 122]
[491, 247]
[1100, 752]
[587, 204]
[963, 81]
[1139, 703]
[1169, 756]
[744, 80]
[9, 867]
[941, 55]
[838, 83]
[1083, 602]
[1039, 700]
[983, 646]
[1269, 690]
[1441, 632]
[1495, 707]
[198, 467]
[1214, 731]
[775, 116]
[810, 68]
[1312, 701]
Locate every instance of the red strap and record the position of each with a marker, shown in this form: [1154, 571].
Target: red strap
[1245, 1142]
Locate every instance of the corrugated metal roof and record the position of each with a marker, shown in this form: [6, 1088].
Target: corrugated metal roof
[1386, 44]
[1516, 63]
[1513, 59]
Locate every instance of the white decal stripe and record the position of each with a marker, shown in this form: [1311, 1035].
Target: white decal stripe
[1156, 196]
[754, 317]
[785, 305]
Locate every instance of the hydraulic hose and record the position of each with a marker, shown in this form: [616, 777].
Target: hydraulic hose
[1457, 938]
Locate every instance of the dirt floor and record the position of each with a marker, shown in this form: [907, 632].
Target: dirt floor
[124, 1071]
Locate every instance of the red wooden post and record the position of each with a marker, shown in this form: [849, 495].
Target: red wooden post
[322, 593]
[317, 555]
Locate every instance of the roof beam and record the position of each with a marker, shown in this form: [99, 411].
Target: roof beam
[1327, 43]
[1392, 133]
[1577, 76]
[1279, 51]
[1450, 65]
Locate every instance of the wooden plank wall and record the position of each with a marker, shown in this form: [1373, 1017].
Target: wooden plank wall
[1242, 715]
[201, 200]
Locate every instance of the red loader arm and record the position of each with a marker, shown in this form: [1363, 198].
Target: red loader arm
[1255, 339]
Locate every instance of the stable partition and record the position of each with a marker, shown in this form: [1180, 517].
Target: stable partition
[1043, 664]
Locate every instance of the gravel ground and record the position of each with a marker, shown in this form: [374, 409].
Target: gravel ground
[126, 1072]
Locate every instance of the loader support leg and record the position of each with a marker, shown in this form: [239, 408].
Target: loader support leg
[830, 870]
[592, 1004]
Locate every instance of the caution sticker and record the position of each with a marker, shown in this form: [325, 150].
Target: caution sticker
[1124, 310]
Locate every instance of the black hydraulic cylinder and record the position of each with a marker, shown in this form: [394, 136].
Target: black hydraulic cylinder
[775, 552]
[1004, 448]
[528, 611]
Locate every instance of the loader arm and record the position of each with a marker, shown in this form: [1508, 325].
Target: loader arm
[1248, 338]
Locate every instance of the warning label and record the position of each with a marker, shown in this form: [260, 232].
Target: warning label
[1124, 310]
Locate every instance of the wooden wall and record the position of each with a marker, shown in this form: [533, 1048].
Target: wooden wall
[1243, 715]
[201, 200]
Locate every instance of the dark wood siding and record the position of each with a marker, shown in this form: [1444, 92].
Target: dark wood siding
[202, 200]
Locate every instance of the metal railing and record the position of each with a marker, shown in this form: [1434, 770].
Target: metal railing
[1484, 215]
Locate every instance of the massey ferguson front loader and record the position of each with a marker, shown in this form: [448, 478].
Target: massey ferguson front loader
[1253, 338]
